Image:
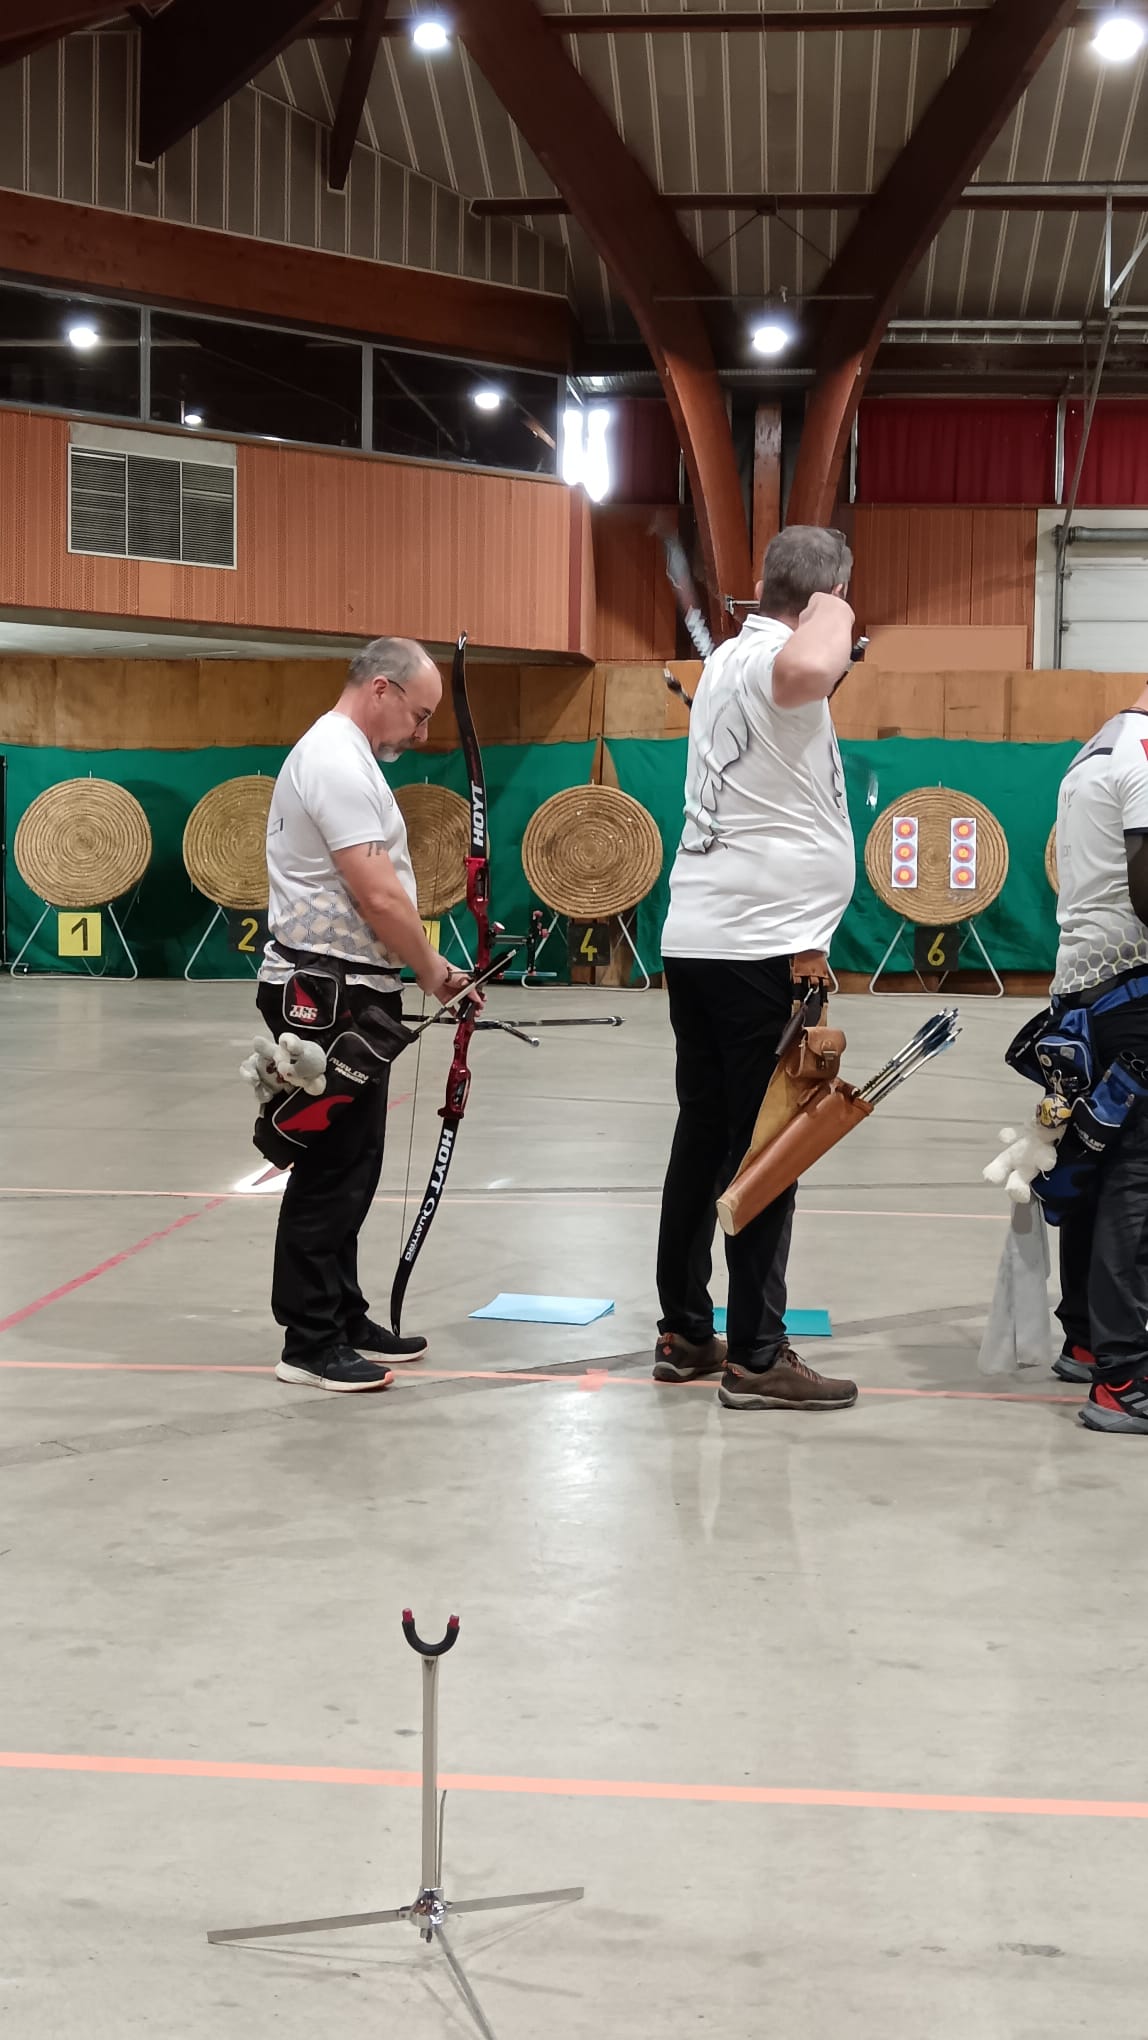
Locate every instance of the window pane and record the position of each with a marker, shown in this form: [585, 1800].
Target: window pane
[248, 379]
[425, 407]
[98, 369]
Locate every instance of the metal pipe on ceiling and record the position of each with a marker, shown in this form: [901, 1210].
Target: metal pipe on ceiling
[1070, 197]
[709, 21]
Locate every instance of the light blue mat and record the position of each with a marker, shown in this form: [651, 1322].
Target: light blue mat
[800, 1324]
[546, 1310]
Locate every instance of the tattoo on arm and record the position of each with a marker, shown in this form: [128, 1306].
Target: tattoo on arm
[376, 849]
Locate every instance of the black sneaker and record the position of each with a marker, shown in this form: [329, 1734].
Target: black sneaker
[677, 1358]
[340, 1367]
[368, 1337]
[1117, 1407]
[1075, 1363]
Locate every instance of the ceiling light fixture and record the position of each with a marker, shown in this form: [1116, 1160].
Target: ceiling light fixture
[772, 336]
[84, 337]
[429, 35]
[1120, 36]
[486, 399]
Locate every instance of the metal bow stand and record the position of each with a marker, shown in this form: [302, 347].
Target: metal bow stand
[430, 1911]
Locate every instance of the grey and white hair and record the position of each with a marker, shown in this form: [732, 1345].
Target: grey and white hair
[397, 658]
[801, 561]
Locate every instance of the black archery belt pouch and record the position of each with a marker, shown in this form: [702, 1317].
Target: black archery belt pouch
[318, 1004]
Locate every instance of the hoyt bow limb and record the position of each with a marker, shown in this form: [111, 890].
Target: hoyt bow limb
[485, 965]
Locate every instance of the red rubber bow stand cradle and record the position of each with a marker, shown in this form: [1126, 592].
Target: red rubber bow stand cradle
[431, 1910]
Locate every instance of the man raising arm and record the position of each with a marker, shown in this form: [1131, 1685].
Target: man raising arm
[763, 875]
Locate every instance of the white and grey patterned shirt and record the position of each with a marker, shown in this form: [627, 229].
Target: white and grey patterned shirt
[330, 795]
[1103, 798]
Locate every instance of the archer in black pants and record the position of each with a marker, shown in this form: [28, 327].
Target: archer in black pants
[315, 1293]
[1104, 1239]
[727, 1020]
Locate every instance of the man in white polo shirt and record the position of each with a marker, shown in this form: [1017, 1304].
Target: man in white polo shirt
[343, 919]
[763, 875]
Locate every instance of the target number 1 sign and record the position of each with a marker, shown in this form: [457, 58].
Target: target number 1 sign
[79, 934]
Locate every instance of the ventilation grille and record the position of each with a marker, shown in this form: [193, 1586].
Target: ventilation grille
[140, 508]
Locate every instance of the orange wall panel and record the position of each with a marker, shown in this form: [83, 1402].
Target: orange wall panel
[1003, 567]
[636, 614]
[931, 567]
[940, 567]
[327, 542]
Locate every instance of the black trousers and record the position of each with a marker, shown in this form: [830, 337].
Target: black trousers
[1104, 1239]
[315, 1291]
[727, 1020]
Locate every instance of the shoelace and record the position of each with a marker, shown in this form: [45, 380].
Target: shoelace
[799, 1367]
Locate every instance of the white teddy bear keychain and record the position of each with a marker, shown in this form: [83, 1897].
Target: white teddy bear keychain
[284, 1065]
[1026, 1155]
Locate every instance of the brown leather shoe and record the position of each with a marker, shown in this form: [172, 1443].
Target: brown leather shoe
[678, 1359]
[788, 1385]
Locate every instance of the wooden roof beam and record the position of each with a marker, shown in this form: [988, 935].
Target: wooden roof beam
[198, 53]
[995, 68]
[30, 25]
[638, 238]
[356, 85]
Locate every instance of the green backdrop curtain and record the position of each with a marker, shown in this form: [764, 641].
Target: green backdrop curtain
[164, 920]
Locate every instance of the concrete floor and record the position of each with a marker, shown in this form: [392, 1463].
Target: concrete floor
[932, 1598]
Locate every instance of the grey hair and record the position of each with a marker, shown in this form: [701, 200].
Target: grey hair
[801, 561]
[396, 658]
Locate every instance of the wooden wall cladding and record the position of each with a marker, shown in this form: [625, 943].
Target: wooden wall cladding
[163, 705]
[636, 614]
[952, 647]
[327, 542]
[944, 566]
[1012, 706]
[188, 704]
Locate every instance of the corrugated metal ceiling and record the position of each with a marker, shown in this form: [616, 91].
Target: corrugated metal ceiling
[771, 112]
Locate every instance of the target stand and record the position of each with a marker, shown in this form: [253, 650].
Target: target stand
[592, 853]
[430, 1910]
[80, 846]
[18, 967]
[937, 859]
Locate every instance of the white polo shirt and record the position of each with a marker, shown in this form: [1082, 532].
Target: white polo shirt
[1103, 796]
[766, 865]
[330, 795]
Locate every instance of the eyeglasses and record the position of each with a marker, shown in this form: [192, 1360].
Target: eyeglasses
[422, 715]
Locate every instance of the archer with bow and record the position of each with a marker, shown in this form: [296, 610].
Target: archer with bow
[344, 920]
[764, 872]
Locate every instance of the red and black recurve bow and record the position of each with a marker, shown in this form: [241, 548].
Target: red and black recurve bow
[478, 902]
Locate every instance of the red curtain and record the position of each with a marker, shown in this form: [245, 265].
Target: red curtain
[956, 450]
[1115, 472]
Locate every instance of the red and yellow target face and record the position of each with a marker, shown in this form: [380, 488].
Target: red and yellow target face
[962, 854]
[906, 844]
